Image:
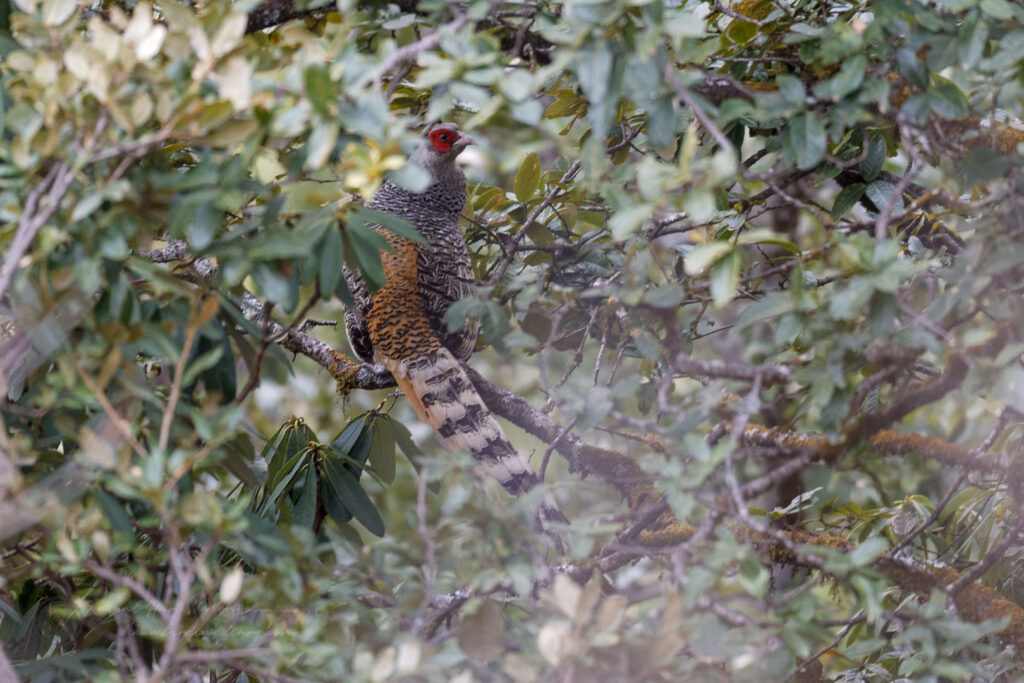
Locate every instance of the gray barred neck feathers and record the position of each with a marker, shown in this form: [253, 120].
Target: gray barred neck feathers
[440, 204]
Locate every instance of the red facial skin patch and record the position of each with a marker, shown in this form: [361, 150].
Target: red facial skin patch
[442, 140]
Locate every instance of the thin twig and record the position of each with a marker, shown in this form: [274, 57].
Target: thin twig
[191, 329]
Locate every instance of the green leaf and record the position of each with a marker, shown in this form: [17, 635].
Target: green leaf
[286, 450]
[873, 161]
[220, 377]
[851, 299]
[294, 467]
[305, 507]
[494, 323]
[662, 121]
[365, 246]
[913, 68]
[332, 257]
[849, 78]
[332, 503]
[706, 255]
[481, 634]
[319, 87]
[772, 306]
[277, 287]
[946, 99]
[846, 198]
[725, 277]
[599, 69]
[766, 236]
[740, 32]
[866, 552]
[271, 450]
[791, 89]
[240, 454]
[349, 435]
[203, 226]
[87, 205]
[202, 363]
[382, 450]
[527, 178]
[807, 138]
[400, 22]
[412, 452]
[998, 9]
[343, 485]
[664, 296]
[971, 42]
[982, 165]
[879, 193]
[115, 514]
[390, 222]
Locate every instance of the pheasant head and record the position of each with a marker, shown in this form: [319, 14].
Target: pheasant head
[444, 142]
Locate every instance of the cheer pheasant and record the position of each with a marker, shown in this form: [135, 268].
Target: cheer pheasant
[402, 326]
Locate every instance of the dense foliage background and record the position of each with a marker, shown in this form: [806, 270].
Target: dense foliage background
[754, 267]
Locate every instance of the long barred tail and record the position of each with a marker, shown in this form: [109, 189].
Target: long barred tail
[443, 397]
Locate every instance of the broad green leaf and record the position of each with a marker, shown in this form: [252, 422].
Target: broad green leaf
[304, 511]
[851, 299]
[239, 460]
[87, 205]
[320, 143]
[56, 12]
[865, 553]
[115, 514]
[998, 9]
[392, 223]
[946, 99]
[766, 236]
[277, 287]
[913, 68]
[599, 69]
[346, 440]
[880, 191]
[971, 43]
[706, 255]
[382, 450]
[228, 34]
[770, 307]
[413, 453]
[201, 364]
[873, 161]
[219, 377]
[332, 257]
[281, 449]
[665, 296]
[481, 634]
[343, 485]
[365, 245]
[846, 199]
[332, 502]
[527, 178]
[849, 78]
[725, 277]
[807, 138]
[319, 88]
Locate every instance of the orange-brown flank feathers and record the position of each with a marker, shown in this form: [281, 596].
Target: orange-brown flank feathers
[431, 377]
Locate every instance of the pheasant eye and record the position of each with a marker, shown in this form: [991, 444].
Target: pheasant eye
[444, 137]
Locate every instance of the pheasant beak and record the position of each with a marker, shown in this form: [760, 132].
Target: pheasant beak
[464, 141]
